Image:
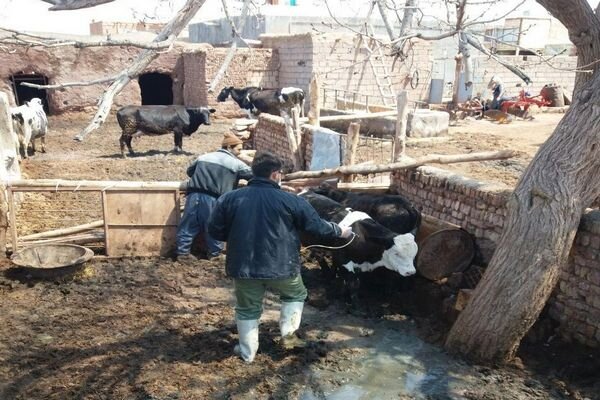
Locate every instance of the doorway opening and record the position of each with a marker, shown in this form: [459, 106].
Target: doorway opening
[156, 88]
[25, 93]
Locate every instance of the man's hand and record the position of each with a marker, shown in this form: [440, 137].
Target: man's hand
[346, 232]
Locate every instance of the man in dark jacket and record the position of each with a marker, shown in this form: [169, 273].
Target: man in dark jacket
[260, 224]
[211, 175]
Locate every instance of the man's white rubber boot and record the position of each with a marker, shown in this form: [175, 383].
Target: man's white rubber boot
[289, 322]
[248, 343]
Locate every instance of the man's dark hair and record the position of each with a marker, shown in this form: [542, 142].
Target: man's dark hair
[265, 163]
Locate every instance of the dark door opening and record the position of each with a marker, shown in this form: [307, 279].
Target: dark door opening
[24, 93]
[156, 88]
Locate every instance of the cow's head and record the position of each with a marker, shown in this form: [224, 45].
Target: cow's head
[205, 113]
[224, 94]
[400, 256]
[35, 102]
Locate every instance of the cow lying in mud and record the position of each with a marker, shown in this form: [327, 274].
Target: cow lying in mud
[374, 245]
[392, 211]
[158, 120]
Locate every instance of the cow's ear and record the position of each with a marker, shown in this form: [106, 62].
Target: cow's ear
[212, 110]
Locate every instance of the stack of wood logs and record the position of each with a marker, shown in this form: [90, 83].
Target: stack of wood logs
[80, 234]
[244, 129]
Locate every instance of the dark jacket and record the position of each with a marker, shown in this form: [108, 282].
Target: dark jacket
[216, 173]
[260, 224]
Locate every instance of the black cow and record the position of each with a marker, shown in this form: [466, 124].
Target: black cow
[392, 211]
[157, 120]
[256, 100]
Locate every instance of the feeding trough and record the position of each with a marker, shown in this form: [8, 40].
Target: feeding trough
[51, 260]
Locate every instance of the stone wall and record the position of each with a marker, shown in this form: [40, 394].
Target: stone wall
[67, 64]
[479, 208]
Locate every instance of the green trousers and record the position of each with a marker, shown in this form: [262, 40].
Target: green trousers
[249, 294]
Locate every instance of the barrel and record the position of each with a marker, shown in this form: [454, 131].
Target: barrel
[554, 94]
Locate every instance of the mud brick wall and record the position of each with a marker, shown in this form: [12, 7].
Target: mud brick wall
[68, 64]
[479, 208]
[258, 67]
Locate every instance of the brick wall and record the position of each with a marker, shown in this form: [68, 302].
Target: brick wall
[296, 58]
[270, 135]
[256, 67]
[540, 73]
[479, 208]
[336, 59]
[332, 55]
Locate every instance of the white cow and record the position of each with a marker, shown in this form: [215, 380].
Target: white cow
[30, 123]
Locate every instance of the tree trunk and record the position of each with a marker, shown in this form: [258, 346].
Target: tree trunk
[543, 216]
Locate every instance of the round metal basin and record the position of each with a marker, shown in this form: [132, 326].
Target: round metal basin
[445, 252]
[49, 260]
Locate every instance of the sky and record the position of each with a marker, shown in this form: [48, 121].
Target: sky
[33, 15]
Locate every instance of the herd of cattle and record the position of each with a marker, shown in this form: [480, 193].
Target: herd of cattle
[385, 226]
[30, 121]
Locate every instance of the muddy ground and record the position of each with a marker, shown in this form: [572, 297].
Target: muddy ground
[158, 329]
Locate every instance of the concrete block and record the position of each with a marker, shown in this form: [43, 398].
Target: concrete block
[427, 123]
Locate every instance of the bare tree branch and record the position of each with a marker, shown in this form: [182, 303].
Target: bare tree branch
[60, 5]
[36, 40]
[514, 69]
[169, 32]
[232, 49]
[340, 23]
[71, 84]
[233, 27]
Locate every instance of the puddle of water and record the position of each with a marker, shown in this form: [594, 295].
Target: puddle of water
[399, 364]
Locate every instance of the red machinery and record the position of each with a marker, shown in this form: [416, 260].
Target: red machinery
[524, 101]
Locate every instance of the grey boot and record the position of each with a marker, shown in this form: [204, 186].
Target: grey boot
[248, 342]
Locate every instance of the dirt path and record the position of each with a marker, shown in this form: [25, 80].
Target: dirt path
[156, 329]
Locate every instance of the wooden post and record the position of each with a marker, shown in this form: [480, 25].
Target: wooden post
[3, 219]
[298, 132]
[351, 145]
[399, 144]
[457, 71]
[12, 209]
[292, 141]
[315, 101]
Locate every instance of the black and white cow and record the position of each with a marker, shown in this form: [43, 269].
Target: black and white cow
[240, 96]
[256, 100]
[158, 120]
[30, 123]
[392, 211]
[374, 245]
